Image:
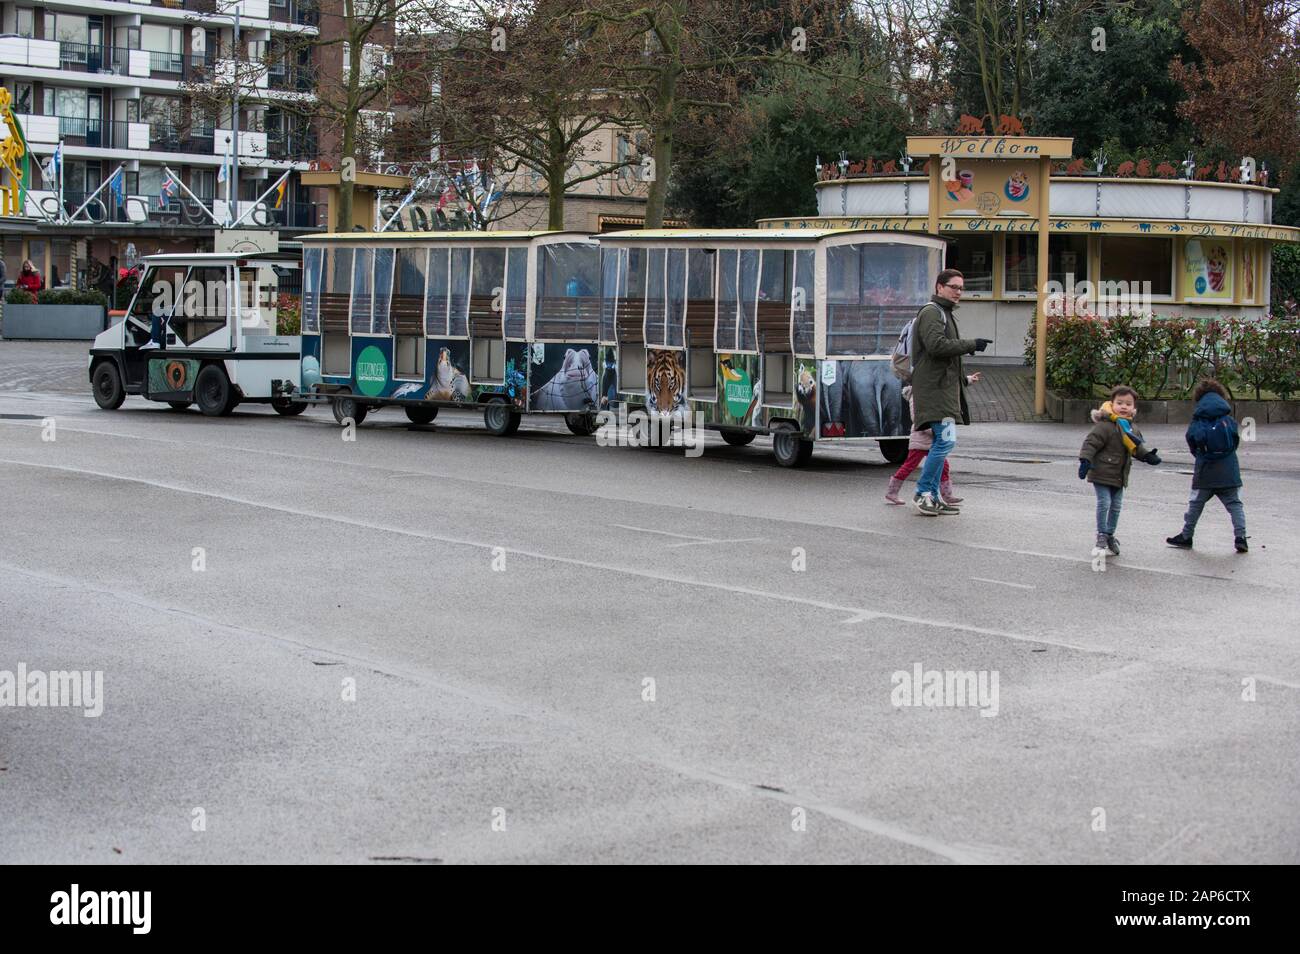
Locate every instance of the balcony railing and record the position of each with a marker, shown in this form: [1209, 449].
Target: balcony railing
[116, 59]
[291, 145]
[168, 137]
[99, 133]
[291, 80]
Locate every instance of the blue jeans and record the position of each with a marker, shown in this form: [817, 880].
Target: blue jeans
[1228, 495]
[1109, 502]
[945, 439]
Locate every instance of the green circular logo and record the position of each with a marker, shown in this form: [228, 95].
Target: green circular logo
[738, 391]
[372, 371]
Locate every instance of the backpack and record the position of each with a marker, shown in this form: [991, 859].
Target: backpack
[1217, 439]
[900, 359]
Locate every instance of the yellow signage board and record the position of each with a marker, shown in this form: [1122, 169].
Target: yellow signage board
[991, 147]
[985, 188]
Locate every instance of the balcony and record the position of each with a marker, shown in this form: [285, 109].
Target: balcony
[291, 146]
[83, 131]
[23, 51]
[290, 80]
[191, 140]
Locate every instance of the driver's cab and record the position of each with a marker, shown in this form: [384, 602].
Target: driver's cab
[202, 303]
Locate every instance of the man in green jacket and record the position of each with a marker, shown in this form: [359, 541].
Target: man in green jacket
[939, 384]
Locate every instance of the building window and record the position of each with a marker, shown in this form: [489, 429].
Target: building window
[203, 183]
[24, 98]
[972, 255]
[1135, 259]
[150, 180]
[1067, 261]
[26, 25]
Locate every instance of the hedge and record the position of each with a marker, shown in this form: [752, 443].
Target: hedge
[55, 296]
[1163, 358]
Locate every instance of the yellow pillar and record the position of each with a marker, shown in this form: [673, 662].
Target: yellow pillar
[1040, 317]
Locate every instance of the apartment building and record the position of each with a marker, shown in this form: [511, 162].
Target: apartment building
[149, 86]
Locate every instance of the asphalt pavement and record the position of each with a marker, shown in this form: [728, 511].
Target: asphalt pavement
[432, 645]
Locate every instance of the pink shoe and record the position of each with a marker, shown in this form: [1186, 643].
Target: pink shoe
[891, 494]
[945, 491]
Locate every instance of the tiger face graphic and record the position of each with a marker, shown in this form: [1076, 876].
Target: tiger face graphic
[666, 383]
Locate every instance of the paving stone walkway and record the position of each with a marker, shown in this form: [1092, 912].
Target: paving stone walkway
[1005, 393]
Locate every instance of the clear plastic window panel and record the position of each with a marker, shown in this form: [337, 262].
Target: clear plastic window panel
[727, 326]
[675, 316]
[312, 260]
[872, 291]
[489, 276]
[654, 297]
[802, 300]
[516, 292]
[435, 295]
[458, 320]
[700, 296]
[383, 290]
[338, 262]
[568, 278]
[747, 340]
[613, 286]
[362, 290]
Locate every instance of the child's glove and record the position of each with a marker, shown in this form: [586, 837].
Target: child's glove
[1151, 458]
[1083, 468]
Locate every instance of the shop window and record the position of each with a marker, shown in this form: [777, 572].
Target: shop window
[1067, 261]
[1134, 260]
[972, 255]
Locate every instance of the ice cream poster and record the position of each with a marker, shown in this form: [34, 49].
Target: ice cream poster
[1207, 269]
[987, 187]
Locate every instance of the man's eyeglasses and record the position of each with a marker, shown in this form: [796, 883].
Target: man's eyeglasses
[955, 287]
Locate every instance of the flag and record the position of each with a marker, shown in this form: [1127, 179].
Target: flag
[166, 192]
[51, 167]
[224, 172]
[117, 184]
[280, 190]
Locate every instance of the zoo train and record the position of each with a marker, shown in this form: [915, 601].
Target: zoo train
[780, 332]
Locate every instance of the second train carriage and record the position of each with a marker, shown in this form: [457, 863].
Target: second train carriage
[781, 332]
[509, 321]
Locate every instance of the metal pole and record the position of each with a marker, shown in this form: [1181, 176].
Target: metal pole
[1040, 315]
[234, 110]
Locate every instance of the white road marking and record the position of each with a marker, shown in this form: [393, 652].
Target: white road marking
[574, 561]
[1019, 586]
[336, 462]
[663, 533]
[696, 543]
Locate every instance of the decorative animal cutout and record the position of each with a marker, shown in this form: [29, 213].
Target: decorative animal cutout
[968, 125]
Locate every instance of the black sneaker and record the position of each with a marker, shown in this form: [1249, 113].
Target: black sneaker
[1114, 544]
[926, 505]
[1182, 541]
[1241, 544]
[1103, 545]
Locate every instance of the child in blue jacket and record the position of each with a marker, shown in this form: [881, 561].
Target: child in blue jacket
[1213, 438]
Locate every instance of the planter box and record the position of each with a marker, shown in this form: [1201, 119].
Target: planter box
[67, 322]
[1077, 410]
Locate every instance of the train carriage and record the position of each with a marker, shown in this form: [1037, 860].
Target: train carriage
[506, 321]
[780, 332]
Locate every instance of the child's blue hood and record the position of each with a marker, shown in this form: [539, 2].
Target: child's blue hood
[1211, 407]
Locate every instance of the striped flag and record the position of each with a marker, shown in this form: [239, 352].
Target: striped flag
[166, 192]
